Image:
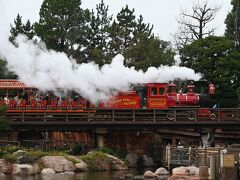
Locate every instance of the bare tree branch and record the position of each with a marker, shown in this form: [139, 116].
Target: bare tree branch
[195, 25]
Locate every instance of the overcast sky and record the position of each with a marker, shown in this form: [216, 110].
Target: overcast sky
[161, 13]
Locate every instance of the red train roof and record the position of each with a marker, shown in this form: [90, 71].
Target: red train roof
[12, 84]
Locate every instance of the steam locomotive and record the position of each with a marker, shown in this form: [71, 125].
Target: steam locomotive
[161, 96]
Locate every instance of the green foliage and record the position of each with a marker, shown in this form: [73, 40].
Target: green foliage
[218, 60]
[2, 153]
[10, 158]
[63, 27]
[20, 28]
[4, 123]
[77, 149]
[107, 150]
[233, 23]
[95, 160]
[37, 154]
[10, 149]
[99, 39]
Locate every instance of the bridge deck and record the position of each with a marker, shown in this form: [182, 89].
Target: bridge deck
[65, 119]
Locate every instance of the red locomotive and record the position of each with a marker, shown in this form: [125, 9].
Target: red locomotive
[158, 96]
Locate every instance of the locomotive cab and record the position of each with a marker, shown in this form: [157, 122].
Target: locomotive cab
[157, 95]
[172, 95]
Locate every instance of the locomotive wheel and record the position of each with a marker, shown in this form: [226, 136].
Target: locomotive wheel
[191, 115]
[213, 116]
[170, 116]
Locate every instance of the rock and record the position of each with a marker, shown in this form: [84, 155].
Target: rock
[3, 166]
[115, 163]
[20, 153]
[57, 163]
[149, 174]
[132, 159]
[36, 168]
[180, 171]
[81, 167]
[127, 177]
[23, 169]
[161, 171]
[192, 170]
[47, 171]
[148, 161]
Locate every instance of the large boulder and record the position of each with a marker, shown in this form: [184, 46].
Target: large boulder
[57, 163]
[20, 153]
[47, 172]
[180, 171]
[149, 174]
[23, 169]
[3, 166]
[115, 163]
[99, 161]
[161, 171]
[132, 160]
[36, 168]
[81, 166]
[148, 161]
[192, 170]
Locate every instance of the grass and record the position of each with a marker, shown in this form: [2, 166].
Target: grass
[96, 160]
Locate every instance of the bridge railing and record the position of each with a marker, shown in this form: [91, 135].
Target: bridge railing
[123, 115]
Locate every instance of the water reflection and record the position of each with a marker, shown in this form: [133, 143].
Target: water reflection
[106, 175]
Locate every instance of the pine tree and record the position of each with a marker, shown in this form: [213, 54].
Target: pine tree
[122, 31]
[63, 27]
[100, 25]
[233, 23]
[20, 28]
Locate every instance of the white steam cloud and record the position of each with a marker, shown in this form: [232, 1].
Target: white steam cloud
[50, 70]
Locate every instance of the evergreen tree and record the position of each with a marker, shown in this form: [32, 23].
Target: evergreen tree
[218, 60]
[122, 31]
[99, 38]
[63, 27]
[233, 23]
[148, 50]
[20, 28]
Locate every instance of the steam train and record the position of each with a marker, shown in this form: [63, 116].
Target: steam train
[147, 96]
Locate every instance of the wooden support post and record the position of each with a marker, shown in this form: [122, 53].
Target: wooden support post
[113, 115]
[133, 115]
[44, 115]
[22, 115]
[100, 132]
[66, 115]
[154, 115]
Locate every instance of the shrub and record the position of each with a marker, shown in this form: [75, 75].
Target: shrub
[95, 160]
[10, 158]
[78, 149]
[108, 150]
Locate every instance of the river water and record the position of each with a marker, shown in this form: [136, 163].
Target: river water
[106, 175]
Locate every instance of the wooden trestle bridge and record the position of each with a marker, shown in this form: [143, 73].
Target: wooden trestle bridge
[142, 119]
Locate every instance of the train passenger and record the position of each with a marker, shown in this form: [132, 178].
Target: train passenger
[25, 96]
[6, 100]
[16, 99]
[37, 98]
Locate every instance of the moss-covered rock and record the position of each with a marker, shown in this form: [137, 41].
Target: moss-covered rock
[99, 161]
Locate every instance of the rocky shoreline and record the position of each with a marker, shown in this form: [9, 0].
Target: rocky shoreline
[54, 165]
[50, 165]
